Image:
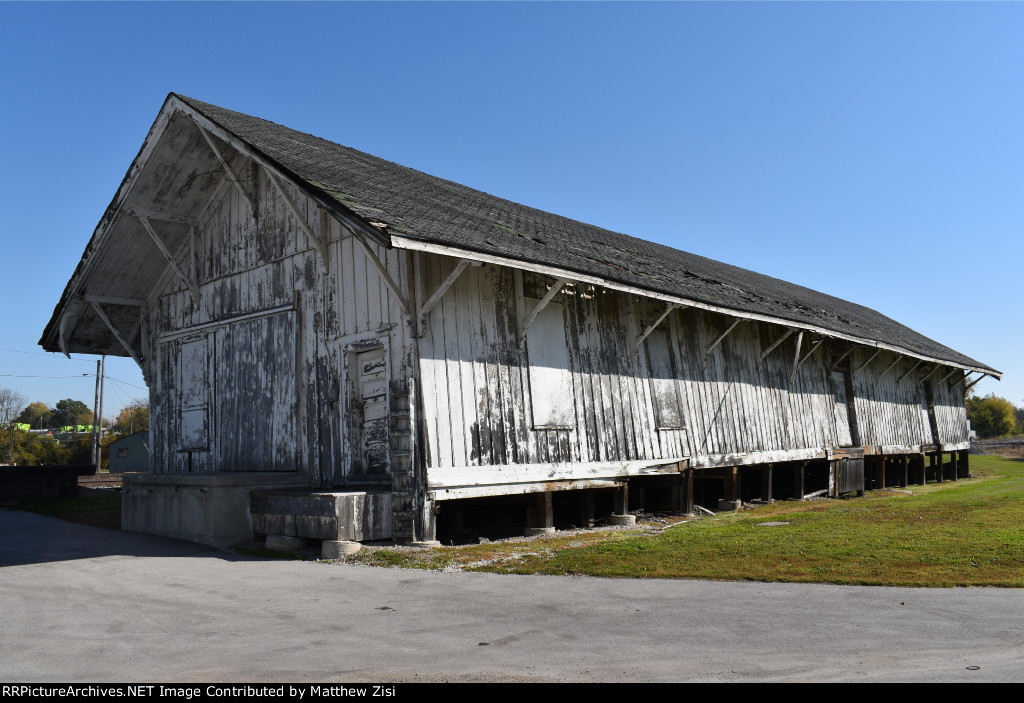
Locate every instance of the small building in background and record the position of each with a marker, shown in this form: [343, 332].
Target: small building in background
[130, 453]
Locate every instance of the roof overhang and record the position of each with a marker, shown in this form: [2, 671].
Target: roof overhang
[412, 244]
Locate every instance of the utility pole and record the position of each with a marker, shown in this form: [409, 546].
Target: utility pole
[97, 423]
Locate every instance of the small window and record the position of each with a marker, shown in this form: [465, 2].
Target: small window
[122, 452]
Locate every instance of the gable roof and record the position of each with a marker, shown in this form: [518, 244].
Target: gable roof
[412, 209]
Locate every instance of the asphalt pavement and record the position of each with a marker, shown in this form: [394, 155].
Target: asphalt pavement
[82, 604]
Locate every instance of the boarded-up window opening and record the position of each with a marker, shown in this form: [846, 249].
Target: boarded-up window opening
[664, 387]
[194, 374]
[551, 392]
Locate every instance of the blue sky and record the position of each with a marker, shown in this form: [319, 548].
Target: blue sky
[872, 151]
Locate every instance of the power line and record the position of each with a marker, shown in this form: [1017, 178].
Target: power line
[11, 375]
[50, 355]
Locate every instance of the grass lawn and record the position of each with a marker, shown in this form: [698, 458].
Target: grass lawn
[967, 533]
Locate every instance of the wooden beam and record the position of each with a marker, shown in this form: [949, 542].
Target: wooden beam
[870, 359]
[722, 336]
[320, 244]
[912, 370]
[384, 275]
[227, 169]
[777, 342]
[948, 375]
[113, 300]
[170, 257]
[117, 335]
[518, 300]
[540, 306]
[164, 217]
[654, 325]
[796, 357]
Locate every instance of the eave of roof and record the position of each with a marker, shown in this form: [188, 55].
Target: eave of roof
[412, 209]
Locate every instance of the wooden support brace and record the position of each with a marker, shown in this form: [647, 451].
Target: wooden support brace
[396, 292]
[227, 169]
[930, 374]
[443, 288]
[949, 375]
[796, 357]
[320, 244]
[971, 385]
[899, 358]
[870, 359]
[117, 335]
[811, 351]
[722, 336]
[170, 257]
[835, 364]
[912, 370]
[777, 342]
[540, 306]
[669, 307]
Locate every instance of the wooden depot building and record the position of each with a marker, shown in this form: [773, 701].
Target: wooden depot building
[341, 348]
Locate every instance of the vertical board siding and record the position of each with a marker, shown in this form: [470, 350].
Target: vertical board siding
[950, 413]
[476, 380]
[889, 413]
[272, 375]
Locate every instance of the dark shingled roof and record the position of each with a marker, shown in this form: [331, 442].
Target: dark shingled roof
[423, 207]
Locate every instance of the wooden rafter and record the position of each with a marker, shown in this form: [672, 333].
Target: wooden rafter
[227, 169]
[170, 257]
[540, 306]
[669, 307]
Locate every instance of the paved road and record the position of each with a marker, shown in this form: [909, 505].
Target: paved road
[85, 604]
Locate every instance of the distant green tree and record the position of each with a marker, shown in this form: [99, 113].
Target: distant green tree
[991, 416]
[71, 412]
[37, 415]
[132, 418]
